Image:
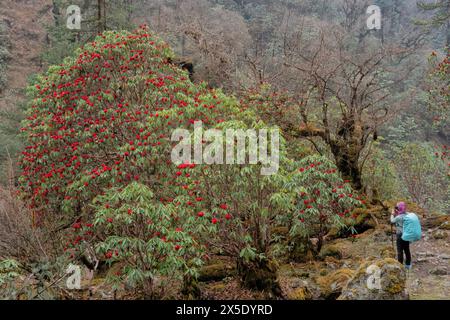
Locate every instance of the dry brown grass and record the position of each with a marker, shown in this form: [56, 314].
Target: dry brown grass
[19, 238]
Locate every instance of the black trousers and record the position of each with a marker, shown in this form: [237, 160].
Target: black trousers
[403, 247]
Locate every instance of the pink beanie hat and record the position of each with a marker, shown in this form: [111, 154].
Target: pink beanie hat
[401, 206]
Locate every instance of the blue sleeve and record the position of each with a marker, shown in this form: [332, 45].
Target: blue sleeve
[395, 219]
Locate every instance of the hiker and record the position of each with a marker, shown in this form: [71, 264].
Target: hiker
[397, 217]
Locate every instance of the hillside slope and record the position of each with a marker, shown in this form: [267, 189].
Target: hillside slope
[24, 21]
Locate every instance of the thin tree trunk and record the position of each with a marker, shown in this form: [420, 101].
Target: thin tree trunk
[101, 15]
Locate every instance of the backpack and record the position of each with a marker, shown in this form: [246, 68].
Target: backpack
[412, 231]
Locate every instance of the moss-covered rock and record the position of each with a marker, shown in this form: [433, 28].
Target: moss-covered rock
[445, 225]
[387, 251]
[367, 218]
[377, 279]
[259, 274]
[301, 250]
[330, 250]
[332, 284]
[439, 234]
[436, 221]
[301, 293]
[279, 231]
[216, 272]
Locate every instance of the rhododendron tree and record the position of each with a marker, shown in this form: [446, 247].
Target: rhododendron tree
[104, 118]
[308, 196]
[319, 199]
[237, 206]
[138, 231]
[98, 132]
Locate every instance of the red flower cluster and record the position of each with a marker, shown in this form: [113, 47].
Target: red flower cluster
[104, 118]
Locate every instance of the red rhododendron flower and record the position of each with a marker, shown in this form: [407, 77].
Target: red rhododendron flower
[76, 225]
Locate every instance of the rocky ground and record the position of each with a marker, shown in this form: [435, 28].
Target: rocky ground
[339, 273]
[430, 277]
[325, 279]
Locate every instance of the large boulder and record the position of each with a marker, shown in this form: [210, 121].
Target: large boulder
[377, 279]
[216, 272]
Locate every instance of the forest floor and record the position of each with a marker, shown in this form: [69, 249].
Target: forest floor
[428, 279]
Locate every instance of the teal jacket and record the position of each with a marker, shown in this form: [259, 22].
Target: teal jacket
[398, 220]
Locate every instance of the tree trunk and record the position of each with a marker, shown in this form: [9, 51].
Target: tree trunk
[260, 274]
[190, 290]
[347, 163]
[101, 15]
[448, 27]
[319, 243]
[149, 293]
[302, 249]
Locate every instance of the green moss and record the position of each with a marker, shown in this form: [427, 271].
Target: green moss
[216, 272]
[386, 261]
[445, 225]
[300, 294]
[191, 289]
[395, 284]
[331, 285]
[218, 287]
[439, 234]
[323, 272]
[387, 252]
[260, 274]
[280, 231]
[330, 251]
[302, 250]
[394, 289]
